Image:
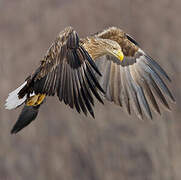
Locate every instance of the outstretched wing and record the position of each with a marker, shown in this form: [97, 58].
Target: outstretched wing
[68, 70]
[136, 82]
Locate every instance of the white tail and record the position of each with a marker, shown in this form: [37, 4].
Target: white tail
[13, 100]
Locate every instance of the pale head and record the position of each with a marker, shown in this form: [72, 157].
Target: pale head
[97, 47]
[113, 48]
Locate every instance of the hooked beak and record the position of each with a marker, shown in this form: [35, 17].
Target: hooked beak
[119, 54]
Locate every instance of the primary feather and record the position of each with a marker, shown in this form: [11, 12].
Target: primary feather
[137, 79]
[72, 70]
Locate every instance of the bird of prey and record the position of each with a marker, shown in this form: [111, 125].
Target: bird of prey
[107, 64]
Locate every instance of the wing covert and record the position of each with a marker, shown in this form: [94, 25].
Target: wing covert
[68, 70]
[135, 83]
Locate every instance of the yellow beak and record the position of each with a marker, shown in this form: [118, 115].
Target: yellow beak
[119, 55]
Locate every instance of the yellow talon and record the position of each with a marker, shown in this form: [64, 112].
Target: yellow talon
[40, 98]
[35, 100]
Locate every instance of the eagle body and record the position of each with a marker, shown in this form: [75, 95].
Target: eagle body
[107, 64]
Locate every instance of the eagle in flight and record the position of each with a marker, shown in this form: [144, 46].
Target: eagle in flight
[107, 64]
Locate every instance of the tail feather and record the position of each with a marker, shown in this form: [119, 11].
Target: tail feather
[13, 100]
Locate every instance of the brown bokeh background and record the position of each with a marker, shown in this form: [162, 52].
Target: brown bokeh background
[61, 144]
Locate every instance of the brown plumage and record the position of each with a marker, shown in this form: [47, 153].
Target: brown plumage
[136, 82]
[68, 70]
[72, 69]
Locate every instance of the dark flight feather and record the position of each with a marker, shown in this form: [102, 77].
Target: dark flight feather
[136, 80]
[68, 70]
[67, 65]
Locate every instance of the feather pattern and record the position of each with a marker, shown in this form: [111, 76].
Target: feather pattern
[72, 69]
[68, 70]
[136, 82]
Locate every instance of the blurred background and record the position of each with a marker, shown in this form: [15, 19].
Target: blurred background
[61, 144]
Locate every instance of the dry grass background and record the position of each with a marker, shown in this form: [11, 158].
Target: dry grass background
[62, 144]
